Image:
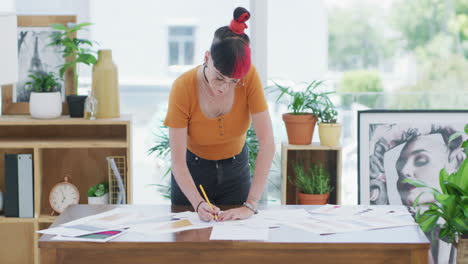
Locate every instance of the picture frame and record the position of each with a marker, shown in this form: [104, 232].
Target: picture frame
[32, 31]
[398, 144]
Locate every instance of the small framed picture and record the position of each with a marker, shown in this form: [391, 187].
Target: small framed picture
[394, 145]
[36, 55]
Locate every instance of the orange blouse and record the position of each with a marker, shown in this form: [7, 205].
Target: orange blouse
[221, 137]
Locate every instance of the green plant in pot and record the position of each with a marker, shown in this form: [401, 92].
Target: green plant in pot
[46, 100]
[449, 212]
[329, 129]
[306, 107]
[314, 183]
[75, 51]
[98, 194]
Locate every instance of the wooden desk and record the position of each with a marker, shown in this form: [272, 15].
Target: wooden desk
[285, 245]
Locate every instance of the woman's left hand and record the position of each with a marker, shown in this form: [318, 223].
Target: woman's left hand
[235, 214]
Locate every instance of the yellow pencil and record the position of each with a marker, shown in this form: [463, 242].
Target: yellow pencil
[208, 201]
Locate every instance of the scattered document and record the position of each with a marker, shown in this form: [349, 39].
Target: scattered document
[103, 236]
[325, 220]
[118, 218]
[165, 227]
[326, 225]
[233, 232]
[70, 232]
[284, 215]
[361, 210]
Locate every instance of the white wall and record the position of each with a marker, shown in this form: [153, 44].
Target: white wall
[54, 7]
[137, 32]
[297, 39]
[7, 6]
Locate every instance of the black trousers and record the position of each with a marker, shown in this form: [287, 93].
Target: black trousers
[226, 182]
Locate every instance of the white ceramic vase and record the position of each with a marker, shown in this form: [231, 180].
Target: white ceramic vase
[99, 200]
[45, 105]
[1, 201]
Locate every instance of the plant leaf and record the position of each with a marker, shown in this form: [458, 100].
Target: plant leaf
[427, 222]
[448, 204]
[461, 224]
[460, 178]
[454, 189]
[420, 184]
[59, 27]
[443, 177]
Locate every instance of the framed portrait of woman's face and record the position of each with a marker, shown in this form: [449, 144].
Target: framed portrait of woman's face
[394, 145]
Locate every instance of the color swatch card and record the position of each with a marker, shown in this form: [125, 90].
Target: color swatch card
[103, 236]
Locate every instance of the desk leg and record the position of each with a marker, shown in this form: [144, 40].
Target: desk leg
[419, 256]
[48, 256]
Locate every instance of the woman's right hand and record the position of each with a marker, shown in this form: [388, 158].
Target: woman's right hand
[205, 213]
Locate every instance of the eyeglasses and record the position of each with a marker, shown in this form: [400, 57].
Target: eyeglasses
[223, 80]
[220, 79]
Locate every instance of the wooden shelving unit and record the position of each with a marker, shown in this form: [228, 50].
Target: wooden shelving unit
[330, 157]
[63, 146]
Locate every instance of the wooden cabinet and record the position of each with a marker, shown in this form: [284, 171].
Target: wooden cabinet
[329, 157]
[60, 147]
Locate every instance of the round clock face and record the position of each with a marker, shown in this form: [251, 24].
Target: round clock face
[62, 195]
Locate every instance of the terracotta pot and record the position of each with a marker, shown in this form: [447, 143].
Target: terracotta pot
[313, 198]
[329, 134]
[462, 250]
[300, 128]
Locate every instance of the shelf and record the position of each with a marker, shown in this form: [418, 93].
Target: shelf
[62, 143]
[313, 146]
[42, 219]
[65, 146]
[8, 120]
[329, 157]
[4, 220]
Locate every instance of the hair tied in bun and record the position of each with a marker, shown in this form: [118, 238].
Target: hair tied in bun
[241, 15]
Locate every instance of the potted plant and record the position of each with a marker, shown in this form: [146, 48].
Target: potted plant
[45, 101]
[314, 184]
[305, 106]
[329, 129]
[77, 50]
[99, 193]
[450, 206]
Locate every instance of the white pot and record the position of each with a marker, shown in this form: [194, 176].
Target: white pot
[1, 201]
[45, 105]
[99, 200]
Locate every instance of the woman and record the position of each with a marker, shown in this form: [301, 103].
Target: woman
[209, 113]
[422, 158]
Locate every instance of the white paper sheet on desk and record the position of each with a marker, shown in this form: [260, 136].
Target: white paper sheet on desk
[165, 227]
[254, 221]
[118, 218]
[233, 232]
[284, 215]
[324, 225]
[70, 232]
[361, 210]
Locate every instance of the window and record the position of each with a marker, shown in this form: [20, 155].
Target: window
[181, 45]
